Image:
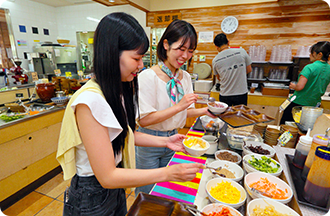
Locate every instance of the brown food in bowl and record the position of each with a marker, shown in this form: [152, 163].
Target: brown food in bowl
[227, 156]
[217, 105]
[258, 150]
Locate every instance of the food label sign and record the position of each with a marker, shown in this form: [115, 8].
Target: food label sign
[160, 19]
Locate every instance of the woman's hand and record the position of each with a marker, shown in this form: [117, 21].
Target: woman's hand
[292, 86]
[183, 172]
[175, 143]
[187, 100]
[206, 112]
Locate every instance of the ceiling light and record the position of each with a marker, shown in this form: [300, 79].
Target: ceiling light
[111, 0]
[93, 19]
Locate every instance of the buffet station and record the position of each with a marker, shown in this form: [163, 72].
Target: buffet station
[248, 169]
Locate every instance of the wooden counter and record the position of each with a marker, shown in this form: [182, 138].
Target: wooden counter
[28, 150]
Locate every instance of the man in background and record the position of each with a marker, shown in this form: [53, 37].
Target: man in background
[231, 66]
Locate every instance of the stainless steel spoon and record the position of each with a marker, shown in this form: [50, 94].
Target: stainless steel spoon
[211, 99]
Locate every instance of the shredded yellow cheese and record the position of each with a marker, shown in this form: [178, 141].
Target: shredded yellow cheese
[225, 192]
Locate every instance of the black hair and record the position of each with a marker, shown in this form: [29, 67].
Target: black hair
[220, 39]
[322, 47]
[175, 30]
[116, 33]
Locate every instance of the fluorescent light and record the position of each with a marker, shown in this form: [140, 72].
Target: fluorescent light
[93, 19]
[111, 0]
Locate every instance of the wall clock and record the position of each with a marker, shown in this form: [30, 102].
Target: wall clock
[229, 24]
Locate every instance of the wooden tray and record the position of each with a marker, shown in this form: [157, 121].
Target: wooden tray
[150, 205]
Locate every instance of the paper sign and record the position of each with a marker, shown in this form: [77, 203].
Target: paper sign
[90, 40]
[254, 85]
[57, 72]
[80, 73]
[68, 74]
[205, 37]
[285, 138]
[34, 76]
[57, 52]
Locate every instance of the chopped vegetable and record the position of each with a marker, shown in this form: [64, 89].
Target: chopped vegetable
[264, 164]
[267, 211]
[270, 189]
[6, 118]
[224, 212]
[226, 193]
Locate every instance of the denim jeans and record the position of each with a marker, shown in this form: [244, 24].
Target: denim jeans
[152, 157]
[86, 197]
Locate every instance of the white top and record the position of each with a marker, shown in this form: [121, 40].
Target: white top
[230, 65]
[103, 114]
[153, 97]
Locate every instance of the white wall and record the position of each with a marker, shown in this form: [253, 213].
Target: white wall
[71, 19]
[62, 22]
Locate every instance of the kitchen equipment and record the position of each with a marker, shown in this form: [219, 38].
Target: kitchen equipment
[230, 166]
[217, 208]
[217, 107]
[60, 93]
[317, 186]
[308, 116]
[318, 140]
[196, 146]
[203, 70]
[60, 100]
[249, 167]
[302, 149]
[213, 141]
[257, 145]
[203, 85]
[227, 155]
[264, 202]
[45, 91]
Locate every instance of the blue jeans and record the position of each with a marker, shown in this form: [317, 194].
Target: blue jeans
[86, 197]
[152, 157]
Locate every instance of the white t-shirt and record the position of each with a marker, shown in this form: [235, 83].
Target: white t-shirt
[231, 64]
[103, 114]
[153, 97]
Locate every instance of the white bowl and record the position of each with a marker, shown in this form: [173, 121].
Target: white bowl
[255, 176]
[217, 110]
[249, 168]
[60, 100]
[213, 145]
[231, 152]
[193, 151]
[262, 203]
[232, 167]
[217, 207]
[214, 182]
[265, 146]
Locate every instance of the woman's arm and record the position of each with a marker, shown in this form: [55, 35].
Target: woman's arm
[162, 115]
[199, 112]
[300, 85]
[99, 149]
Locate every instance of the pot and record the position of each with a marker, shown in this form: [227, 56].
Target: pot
[45, 91]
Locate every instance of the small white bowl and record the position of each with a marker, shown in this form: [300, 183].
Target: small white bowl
[231, 152]
[217, 207]
[265, 146]
[214, 182]
[206, 122]
[60, 100]
[255, 176]
[232, 167]
[217, 110]
[213, 144]
[262, 203]
[249, 168]
[193, 151]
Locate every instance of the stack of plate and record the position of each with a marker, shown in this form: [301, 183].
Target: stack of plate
[271, 136]
[261, 128]
[293, 131]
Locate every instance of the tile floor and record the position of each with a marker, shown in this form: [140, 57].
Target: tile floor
[48, 198]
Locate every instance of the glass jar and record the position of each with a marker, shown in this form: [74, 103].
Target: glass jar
[317, 186]
[318, 140]
[45, 91]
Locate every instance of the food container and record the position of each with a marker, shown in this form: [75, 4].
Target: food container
[232, 155]
[318, 140]
[236, 137]
[258, 147]
[217, 107]
[214, 182]
[317, 186]
[309, 116]
[217, 208]
[203, 85]
[213, 141]
[262, 203]
[302, 149]
[211, 124]
[280, 184]
[250, 168]
[230, 166]
[45, 91]
[195, 146]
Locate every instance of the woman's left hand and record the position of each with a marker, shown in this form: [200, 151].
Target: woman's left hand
[207, 112]
[175, 143]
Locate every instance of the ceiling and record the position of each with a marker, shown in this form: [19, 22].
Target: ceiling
[61, 3]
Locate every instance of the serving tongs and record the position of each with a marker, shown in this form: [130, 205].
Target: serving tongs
[261, 192]
[194, 211]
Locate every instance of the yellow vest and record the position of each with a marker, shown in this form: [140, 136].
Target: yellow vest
[70, 137]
